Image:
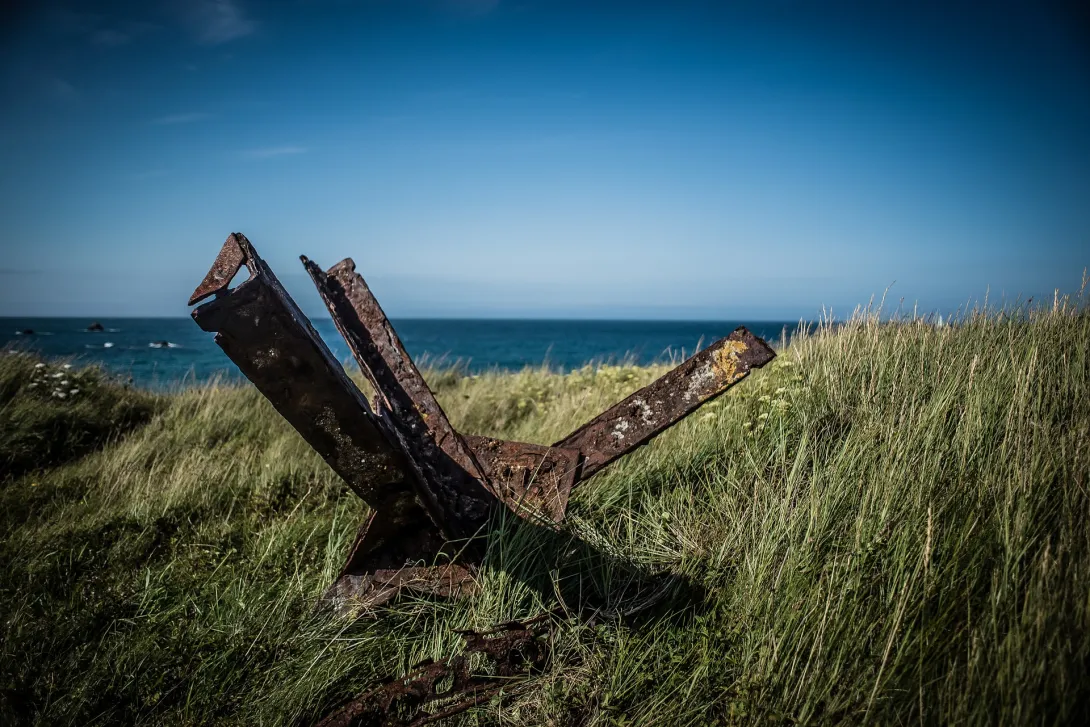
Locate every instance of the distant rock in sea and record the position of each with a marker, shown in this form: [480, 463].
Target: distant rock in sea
[163, 344]
[96, 326]
[25, 332]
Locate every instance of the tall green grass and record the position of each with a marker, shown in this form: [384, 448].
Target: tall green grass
[886, 525]
[52, 413]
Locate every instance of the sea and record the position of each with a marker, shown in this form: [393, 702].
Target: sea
[168, 353]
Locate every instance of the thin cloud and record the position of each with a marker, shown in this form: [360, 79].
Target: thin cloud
[187, 118]
[123, 35]
[109, 38]
[275, 151]
[219, 21]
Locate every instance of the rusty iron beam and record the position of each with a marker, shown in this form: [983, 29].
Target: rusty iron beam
[458, 490]
[262, 330]
[634, 421]
[386, 555]
[460, 472]
[532, 480]
[436, 690]
[448, 478]
[389, 555]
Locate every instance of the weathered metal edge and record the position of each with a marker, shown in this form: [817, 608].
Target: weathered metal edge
[641, 416]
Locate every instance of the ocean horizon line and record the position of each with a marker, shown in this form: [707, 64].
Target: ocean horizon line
[165, 349]
[516, 319]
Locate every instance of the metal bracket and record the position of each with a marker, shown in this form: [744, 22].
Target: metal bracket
[432, 490]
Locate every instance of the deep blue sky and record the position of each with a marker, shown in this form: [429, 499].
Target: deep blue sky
[547, 159]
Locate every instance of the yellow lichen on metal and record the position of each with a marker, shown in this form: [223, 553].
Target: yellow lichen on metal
[726, 360]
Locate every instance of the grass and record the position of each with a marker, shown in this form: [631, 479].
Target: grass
[887, 525]
[54, 413]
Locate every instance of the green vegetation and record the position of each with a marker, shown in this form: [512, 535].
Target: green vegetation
[889, 524]
[50, 414]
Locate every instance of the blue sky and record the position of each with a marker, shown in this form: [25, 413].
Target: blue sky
[547, 159]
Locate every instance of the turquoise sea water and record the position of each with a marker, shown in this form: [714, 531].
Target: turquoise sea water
[165, 352]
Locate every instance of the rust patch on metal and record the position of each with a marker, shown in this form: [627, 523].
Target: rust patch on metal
[262, 330]
[435, 690]
[230, 260]
[449, 482]
[353, 593]
[634, 421]
[532, 480]
[395, 552]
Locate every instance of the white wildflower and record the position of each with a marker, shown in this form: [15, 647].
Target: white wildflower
[39, 366]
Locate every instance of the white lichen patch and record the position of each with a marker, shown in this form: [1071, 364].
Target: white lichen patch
[646, 413]
[721, 370]
[699, 380]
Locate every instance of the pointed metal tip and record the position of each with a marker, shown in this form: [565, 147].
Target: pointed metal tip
[232, 256]
[348, 265]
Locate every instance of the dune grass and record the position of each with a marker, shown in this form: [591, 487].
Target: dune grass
[887, 525]
[52, 413]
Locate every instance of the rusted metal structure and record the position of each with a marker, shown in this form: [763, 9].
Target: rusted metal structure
[431, 490]
[435, 690]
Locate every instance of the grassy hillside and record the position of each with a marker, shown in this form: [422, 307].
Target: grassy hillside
[889, 524]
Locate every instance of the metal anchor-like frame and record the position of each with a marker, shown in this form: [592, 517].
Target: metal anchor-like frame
[431, 490]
